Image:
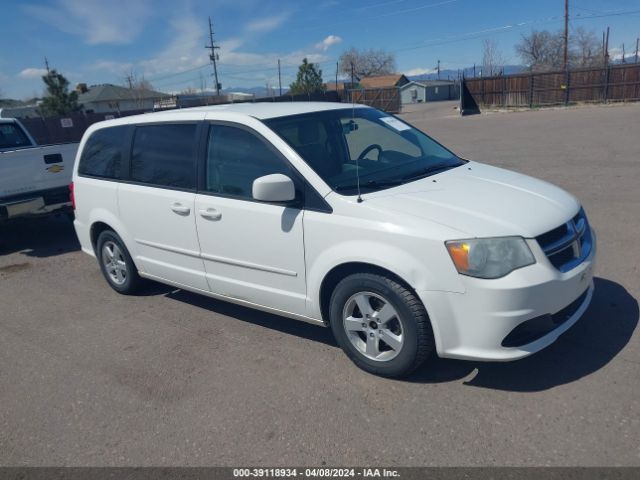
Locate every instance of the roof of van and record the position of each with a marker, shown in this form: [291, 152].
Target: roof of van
[260, 110]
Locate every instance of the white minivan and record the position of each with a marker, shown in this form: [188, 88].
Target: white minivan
[339, 215]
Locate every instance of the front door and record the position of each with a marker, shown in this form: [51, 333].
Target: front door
[252, 251]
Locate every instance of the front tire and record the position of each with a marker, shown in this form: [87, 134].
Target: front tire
[116, 264]
[380, 324]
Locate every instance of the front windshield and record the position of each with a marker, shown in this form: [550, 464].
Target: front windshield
[385, 150]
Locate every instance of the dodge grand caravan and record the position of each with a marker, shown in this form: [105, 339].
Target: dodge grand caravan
[338, 215]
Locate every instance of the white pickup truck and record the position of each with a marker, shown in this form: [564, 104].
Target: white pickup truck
[34, 179]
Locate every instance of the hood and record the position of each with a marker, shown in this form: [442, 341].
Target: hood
[481, 201]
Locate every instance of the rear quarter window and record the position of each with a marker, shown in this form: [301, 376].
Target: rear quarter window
[102, 153]
[12, 137]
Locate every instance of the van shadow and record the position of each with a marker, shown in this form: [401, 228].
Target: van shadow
[39, 237]
[316, 333]
[603, 331]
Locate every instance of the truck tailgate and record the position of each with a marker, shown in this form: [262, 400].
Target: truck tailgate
[36, 169]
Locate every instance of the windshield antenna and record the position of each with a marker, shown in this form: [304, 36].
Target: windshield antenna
[351, 126]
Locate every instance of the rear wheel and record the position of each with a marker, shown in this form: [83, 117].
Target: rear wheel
[116, 264]
[380, 324]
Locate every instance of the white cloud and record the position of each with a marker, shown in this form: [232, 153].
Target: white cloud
[183, 52]
[97, 21]
[325, 44]
[266, 24]
[32, 73]
[419, 71]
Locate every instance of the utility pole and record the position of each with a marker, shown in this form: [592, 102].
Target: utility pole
[637, 45]
[438, 69]
[46, 64]
[606, 49]
[337, 75]
[129, 80]
[352, 74]
[352, 88]
[566, 34]
[213, 56]
[623, 54]
[279, 78]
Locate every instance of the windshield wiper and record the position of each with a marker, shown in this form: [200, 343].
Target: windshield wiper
[370, 184]
[427, 172]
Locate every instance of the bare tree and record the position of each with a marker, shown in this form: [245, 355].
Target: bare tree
[587, 46]
[367, 63]
[533, 49]
[543, 50]
[138, 85]
[492, 60]
[133, 81]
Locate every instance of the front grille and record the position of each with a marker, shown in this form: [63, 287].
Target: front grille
[568, 245]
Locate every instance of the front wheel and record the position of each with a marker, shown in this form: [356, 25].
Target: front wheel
[116, 264]
[381, 325]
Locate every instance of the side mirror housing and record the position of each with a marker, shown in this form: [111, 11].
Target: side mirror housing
[274, 188]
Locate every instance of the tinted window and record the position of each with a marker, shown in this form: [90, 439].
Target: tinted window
[102, 154]
[12, 137]
[164, 155]
[235, 158]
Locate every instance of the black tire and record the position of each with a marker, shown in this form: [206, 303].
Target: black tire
[418, 343]
[132, 282]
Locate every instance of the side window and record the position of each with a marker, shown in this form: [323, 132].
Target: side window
[164, 155]
[235, 158]
[102, 153]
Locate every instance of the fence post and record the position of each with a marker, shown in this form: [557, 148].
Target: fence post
[531, 78]
[566, 86]
[606, 84]
[504, 91]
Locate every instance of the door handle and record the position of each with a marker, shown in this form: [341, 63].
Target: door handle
[210, 214]
[180, 209]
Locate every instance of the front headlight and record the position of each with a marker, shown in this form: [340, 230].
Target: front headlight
[489, 257]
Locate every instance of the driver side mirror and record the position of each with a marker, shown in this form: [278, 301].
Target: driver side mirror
[274, 188]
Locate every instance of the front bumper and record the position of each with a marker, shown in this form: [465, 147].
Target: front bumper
[473, 325]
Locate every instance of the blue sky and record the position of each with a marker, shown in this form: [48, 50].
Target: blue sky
[97, 41]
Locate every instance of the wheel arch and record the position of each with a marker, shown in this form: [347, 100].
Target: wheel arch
[337, 273]
[102, 221]
[94, 232]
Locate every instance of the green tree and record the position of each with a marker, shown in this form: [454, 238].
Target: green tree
[309, 79]
[58, 101]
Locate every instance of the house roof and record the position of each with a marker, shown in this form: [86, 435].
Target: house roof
[427, 83]
[382, 81]
[110, 93]
[330, 86]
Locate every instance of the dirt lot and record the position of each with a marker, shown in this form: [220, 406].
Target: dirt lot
[88, 377]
